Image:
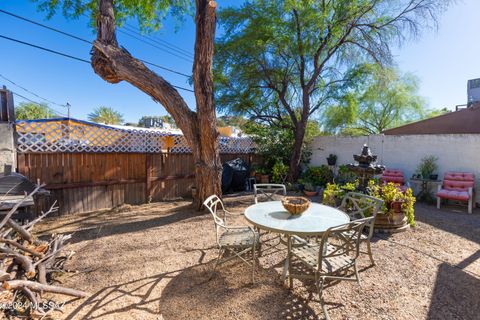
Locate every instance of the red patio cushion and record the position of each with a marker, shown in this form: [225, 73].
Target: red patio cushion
[458, 181]
[392, 175]
[453, 195]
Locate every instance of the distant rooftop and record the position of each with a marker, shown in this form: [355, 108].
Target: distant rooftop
[462, 121]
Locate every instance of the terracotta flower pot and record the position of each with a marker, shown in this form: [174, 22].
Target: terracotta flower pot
[310, 193]
[396, 206]
[265, 178]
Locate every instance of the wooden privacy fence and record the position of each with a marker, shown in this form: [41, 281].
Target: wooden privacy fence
[83, 182]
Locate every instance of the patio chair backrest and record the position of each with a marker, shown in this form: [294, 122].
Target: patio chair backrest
[342, 240]
[458, 181]
[360, 206]
[268, 191]
[214, 204]
[392, 175]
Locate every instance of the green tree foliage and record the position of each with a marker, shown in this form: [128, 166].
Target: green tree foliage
[32, 111]
[382, 98]
[150, 15]
[286, 60]
[234, 121]
[105, 115]
[276, 143]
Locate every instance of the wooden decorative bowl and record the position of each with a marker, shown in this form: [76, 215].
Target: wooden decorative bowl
[295, 205]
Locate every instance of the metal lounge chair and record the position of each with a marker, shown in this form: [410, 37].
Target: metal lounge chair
[236, 240]
[360, 206]
[331, 258]
[269, 191]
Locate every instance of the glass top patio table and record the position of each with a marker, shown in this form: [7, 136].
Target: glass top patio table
[272, 216]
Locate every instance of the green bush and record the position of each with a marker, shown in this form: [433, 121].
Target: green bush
[345, 175]
[318, 176]
[279, 172]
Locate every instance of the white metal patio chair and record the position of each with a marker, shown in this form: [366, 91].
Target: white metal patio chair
[268, 191]
[236, 240]
[332, 258]
[360, 206]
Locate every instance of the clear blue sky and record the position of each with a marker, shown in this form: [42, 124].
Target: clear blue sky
[443, 61]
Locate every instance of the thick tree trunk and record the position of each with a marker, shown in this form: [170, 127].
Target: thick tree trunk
[115, 64]
[294, 168]
[208, 167]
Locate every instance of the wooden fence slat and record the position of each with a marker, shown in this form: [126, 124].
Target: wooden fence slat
[90, 181]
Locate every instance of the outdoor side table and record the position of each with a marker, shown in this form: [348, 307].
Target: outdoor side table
[272, 216]
[424, 184]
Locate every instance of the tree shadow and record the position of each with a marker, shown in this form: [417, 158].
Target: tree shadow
[229, 294]
[456, 292]
[103, 224]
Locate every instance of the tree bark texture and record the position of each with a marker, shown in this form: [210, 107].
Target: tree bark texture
[115, 64]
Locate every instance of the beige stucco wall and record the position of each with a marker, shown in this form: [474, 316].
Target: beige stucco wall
[455, 152]
[7, 147]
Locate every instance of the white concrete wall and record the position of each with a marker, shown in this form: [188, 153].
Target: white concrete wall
[7, 146]
[455, 152]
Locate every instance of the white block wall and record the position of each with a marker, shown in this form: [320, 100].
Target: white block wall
[455, 152]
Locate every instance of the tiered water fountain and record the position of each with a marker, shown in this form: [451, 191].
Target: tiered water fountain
[365, 168]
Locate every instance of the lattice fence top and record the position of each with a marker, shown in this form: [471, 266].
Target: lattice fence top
[69, 135]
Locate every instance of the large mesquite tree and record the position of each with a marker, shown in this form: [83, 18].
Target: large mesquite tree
[283, 61]
[114, 64]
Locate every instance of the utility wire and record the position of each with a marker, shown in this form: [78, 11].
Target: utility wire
[44, 26]
[83, 40]
[158, 40]
[43, 48]
[67, 55]
[128, 33]
[50, 109]
[32, 93]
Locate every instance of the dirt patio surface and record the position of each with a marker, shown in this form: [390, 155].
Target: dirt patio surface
[154, 262]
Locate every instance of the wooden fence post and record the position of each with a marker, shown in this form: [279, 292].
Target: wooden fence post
[148, 177]
[8, 145]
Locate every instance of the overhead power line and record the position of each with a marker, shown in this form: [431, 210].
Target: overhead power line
[50, 109]
[43, 48]
[128, 33]
[45, 26]
[82, 40]
[32, 93]
[68, 56]
[158, 40]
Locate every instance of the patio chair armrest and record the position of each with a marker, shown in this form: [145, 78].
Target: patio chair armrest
[233, 214]
[439, 187]
[470, 191]
[303, 241]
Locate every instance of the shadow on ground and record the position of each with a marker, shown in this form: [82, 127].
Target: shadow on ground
[456, 293]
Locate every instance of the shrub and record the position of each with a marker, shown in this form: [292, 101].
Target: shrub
[345, 175]
[279, 172]
[318, 176]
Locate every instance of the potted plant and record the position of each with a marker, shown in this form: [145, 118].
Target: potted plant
[397, 210]
[261, 175]
[309, 189]
[428, 167]
[332, 159]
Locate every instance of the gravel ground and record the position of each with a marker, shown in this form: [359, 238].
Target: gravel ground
[154, 262]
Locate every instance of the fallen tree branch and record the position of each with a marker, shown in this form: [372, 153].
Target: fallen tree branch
[24, 261]
[21, 247]
[17, 205]
[38, 287]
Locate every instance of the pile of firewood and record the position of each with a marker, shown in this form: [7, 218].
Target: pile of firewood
[27, 266]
